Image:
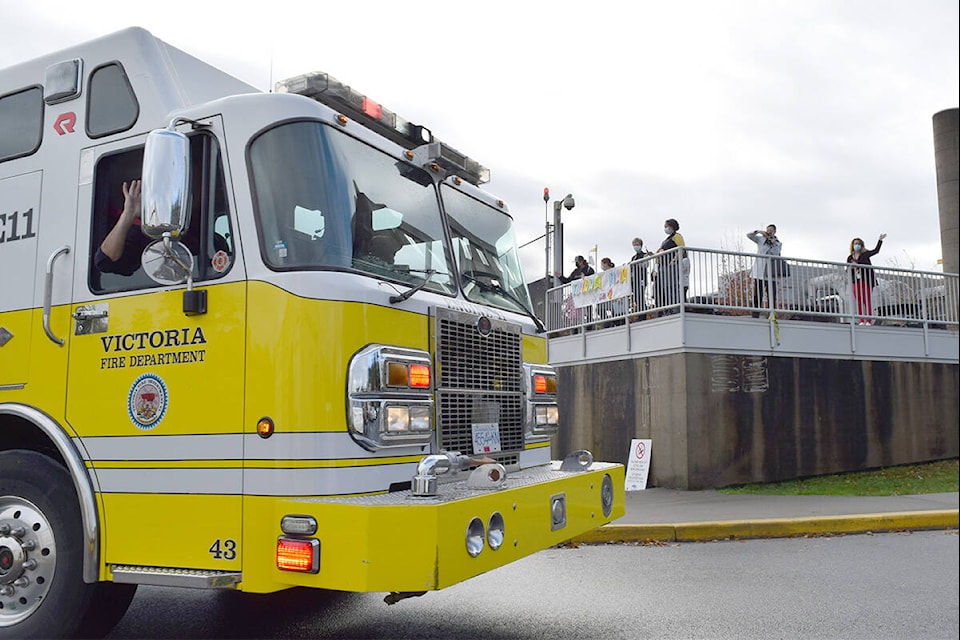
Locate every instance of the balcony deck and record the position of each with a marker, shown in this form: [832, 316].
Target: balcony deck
[913, 316]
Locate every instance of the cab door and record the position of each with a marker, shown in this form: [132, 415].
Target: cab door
[156, 393]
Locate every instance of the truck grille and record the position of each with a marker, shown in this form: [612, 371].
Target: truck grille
[479, 380]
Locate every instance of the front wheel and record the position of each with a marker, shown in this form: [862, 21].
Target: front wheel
[42, 592]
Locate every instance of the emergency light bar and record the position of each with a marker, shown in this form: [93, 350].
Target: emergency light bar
[327, 90]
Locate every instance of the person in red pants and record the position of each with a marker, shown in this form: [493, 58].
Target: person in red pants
[863, 279]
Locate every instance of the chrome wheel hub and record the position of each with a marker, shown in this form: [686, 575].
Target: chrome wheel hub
[28, 559]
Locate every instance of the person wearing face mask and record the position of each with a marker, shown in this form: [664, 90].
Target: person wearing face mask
[638, 276]
[863, 279]
[667, 278]
[581, 269]
[762, 272]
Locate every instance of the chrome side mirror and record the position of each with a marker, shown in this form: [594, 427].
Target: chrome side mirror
[166, 184]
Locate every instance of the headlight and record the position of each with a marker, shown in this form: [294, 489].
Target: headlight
[420, 418]
[398, 419]
[542, 415]
[389, 397]
[547, 414]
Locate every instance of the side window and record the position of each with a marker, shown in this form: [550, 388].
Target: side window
[111, 103]
[209, 237]
[21, 121]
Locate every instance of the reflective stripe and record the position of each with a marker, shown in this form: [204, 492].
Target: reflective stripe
[259, 482]
[163, 447]
[324, 482]
[534, 457]
[317, 446]
[312, 453]
[231, 446]
[195, 481]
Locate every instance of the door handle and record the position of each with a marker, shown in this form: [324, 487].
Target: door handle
[48, 294]
[89, 314]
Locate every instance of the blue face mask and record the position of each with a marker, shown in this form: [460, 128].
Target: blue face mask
[637, 247]
[858, 247]
[667, 230]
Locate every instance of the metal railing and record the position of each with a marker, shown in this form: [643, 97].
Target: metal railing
[711, 281]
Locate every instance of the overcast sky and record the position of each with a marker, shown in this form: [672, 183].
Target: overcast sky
[727, 115]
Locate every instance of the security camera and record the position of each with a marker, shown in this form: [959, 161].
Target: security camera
[568, 202]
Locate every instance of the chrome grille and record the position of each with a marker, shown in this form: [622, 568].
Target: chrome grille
[478, 380]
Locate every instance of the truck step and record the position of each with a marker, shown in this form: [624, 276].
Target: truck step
[172, 577]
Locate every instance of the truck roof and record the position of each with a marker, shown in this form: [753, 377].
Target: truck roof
[163, 77]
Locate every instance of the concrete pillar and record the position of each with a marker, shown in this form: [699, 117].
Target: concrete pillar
[947, 157]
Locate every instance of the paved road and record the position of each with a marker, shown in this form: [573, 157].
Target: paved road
[855, 587]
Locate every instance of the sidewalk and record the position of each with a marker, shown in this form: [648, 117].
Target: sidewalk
[674, 515]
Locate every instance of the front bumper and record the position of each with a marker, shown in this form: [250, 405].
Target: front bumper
[399, 542]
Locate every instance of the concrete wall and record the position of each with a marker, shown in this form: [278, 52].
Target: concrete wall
[719, 420]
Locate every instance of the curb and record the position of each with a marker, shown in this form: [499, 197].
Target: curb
[773, 527]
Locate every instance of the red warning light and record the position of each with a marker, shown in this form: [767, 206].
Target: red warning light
[372, 109]
[540, 384]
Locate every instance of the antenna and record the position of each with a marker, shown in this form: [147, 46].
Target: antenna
[270, 88]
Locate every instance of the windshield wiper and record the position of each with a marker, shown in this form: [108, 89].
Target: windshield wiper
[400, 297]
[498, 289]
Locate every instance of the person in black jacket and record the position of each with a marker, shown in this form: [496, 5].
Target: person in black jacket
[667, 281]
[582, 269]
[638, 275]
[863, 279]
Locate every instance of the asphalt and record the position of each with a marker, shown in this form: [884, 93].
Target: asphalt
[668, 515]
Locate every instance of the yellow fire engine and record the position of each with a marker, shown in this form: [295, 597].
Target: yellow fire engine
[312, 364]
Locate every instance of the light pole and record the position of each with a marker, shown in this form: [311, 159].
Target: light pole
[546, 234]
[568, 204]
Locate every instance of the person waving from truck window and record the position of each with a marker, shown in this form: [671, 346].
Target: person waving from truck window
[120, 251]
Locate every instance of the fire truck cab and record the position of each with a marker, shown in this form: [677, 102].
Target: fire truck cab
[312, 364]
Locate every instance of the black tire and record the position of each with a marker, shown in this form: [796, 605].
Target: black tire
[42, 592]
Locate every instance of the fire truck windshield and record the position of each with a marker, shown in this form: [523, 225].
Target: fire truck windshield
[325, 200]
[486, 252]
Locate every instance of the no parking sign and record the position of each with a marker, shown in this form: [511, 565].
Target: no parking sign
[638, 465]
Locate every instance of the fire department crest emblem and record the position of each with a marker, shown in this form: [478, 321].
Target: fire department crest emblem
[147, 402]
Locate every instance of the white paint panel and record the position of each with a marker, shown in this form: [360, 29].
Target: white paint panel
[325, 482]
[20, 216]
[534, 457]
[163, 447]
[333, 481]
[260, 482]
[317, 446]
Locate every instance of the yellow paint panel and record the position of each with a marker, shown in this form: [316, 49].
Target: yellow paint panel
[534, 349]
[199, 360]
[160, 530]
[15, 354]
[45, 375]
[299, 350]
